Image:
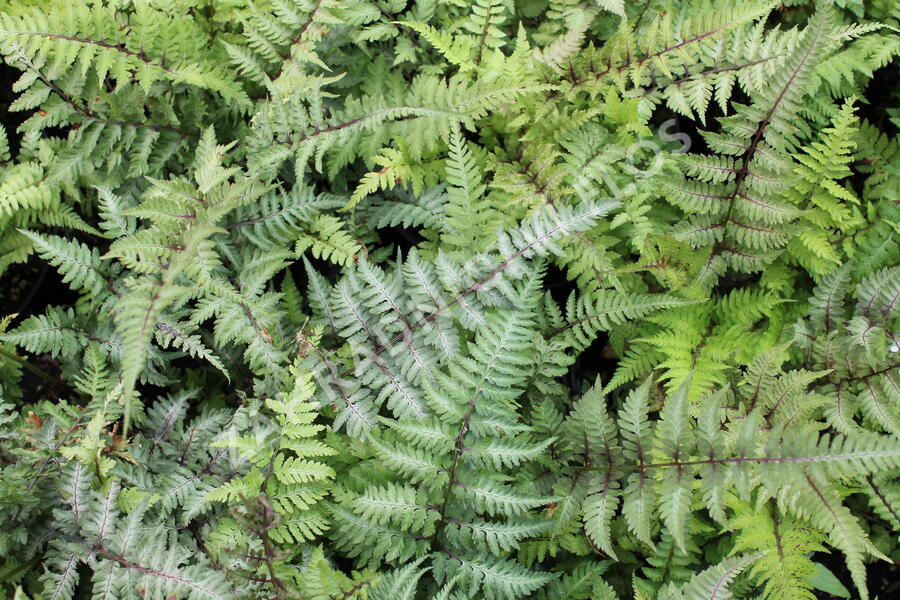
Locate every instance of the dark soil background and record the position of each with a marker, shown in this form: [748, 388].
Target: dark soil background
[30, 287]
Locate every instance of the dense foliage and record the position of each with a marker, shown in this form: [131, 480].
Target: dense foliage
[449, 299]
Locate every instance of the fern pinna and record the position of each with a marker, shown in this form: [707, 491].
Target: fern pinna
[500, 299]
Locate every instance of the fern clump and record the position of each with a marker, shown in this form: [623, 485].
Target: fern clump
[499, 299]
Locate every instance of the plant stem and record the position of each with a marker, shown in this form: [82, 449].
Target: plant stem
[51, 379]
